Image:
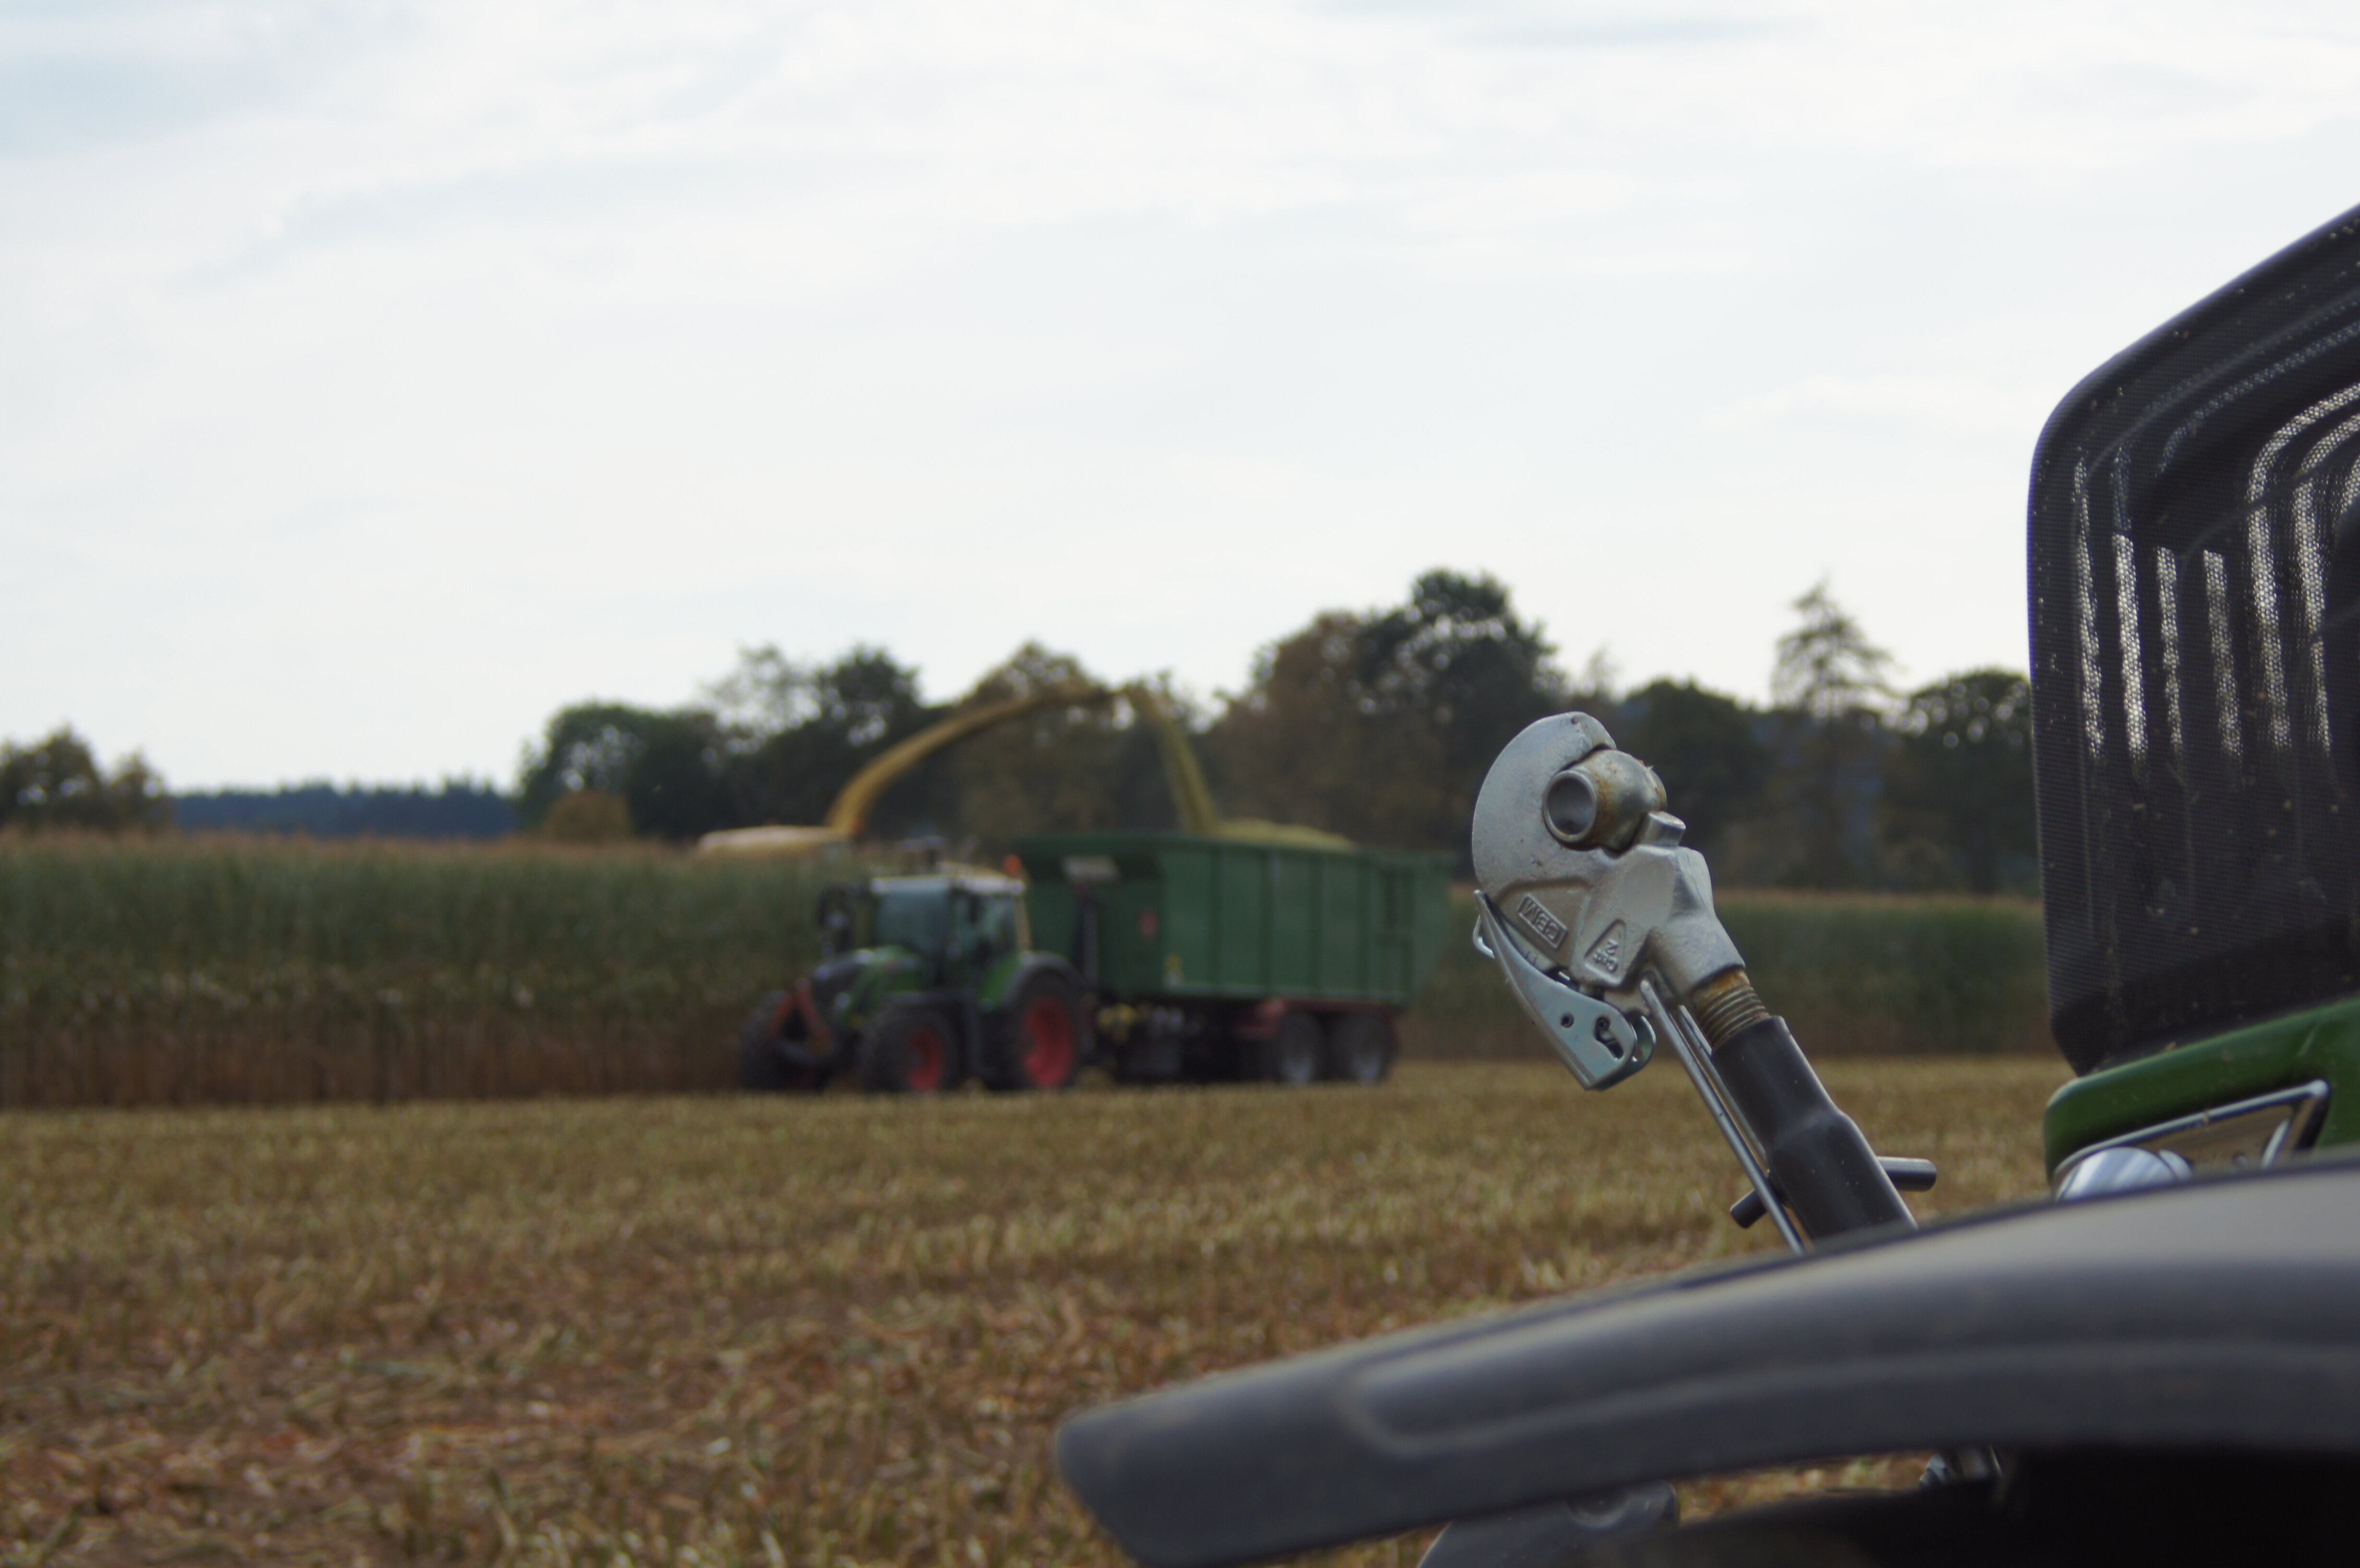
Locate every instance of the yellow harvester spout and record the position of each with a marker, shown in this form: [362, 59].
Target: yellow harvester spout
[851, 811]
[1192, 798]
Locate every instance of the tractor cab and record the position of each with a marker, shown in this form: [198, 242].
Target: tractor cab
[957, 925]
[2195, 552]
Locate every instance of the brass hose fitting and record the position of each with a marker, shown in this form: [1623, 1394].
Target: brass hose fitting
[1726, 1003]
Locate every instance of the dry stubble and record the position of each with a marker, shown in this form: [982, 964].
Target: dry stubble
[727, 1330]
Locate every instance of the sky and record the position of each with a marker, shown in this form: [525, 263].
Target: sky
[377, 378]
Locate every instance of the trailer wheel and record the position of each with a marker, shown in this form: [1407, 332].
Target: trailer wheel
[760, 1066]
[1360, 1048]
[1293, 1053]
[1042, 1043]
[909, 1050]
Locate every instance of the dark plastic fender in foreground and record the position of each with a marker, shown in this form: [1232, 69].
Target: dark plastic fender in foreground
[2218, 1314]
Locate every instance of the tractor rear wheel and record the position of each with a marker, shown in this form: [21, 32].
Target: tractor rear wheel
[1042, 1043]
[1360, 1048]
[1293, 1053]
[909, 1051]
[761, 1066]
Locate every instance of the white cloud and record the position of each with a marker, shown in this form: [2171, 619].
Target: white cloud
[382, 377]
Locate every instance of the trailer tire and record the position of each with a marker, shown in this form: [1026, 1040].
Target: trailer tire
[1362, 1048]
[909, 1051]
[1294, 1052]
[1043, 1036]
[760, 1066]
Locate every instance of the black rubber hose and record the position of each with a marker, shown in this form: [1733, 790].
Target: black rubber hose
[1816, 1153]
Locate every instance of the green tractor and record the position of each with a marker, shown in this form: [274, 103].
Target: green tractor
[929, 980]
[925, 981]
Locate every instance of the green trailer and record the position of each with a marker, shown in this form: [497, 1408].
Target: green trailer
[1212, 956]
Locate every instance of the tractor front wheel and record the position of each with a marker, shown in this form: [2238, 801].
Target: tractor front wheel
[1042, 1043]
[761, 1065]
[909, 1051]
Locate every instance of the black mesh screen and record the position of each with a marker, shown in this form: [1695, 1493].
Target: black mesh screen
[2196, 527]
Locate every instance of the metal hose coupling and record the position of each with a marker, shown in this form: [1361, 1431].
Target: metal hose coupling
[1584, 893]
[1726, 1005]
[1603, 927]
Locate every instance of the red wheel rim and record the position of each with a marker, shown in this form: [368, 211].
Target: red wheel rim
[1048, 1041]
[925, 1060]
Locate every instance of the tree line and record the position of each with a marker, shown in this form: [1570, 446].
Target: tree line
[1378, 725]
[455, 809]
[57, 784]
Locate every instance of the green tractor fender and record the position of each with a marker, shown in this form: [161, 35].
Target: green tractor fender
[886, 973]
[2316, 1045]
[1004, 980]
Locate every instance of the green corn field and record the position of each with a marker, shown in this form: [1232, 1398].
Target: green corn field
[1856, 974]
[214, 969]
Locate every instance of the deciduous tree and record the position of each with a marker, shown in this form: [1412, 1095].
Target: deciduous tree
[1382, 726]
[1959, 783]
[56, 782]
[1707, 748]
[665, 765]
[794, 735]
[1832, 684]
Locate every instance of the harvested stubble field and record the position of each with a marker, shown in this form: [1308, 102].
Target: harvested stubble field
[714, 1330]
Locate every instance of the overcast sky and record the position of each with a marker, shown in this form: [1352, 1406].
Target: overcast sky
[376, 377]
